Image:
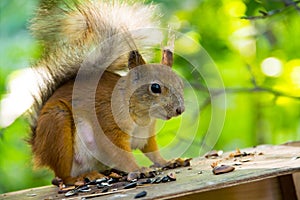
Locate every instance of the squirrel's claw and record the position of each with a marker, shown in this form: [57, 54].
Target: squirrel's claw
[142, 173]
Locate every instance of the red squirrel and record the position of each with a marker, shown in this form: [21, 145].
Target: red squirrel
[125, 107]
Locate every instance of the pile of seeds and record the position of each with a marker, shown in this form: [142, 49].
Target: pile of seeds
[118, 182]
[112, 185]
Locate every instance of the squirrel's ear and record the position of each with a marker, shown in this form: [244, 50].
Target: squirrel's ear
[135, 59]
[167, 57]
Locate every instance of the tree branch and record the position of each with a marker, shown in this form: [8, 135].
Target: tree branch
[264, 14]
[214, 92]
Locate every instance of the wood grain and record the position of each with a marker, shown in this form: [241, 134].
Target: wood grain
[270, 172]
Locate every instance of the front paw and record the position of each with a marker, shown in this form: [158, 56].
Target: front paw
[159, 165]
[144, 172]
[178, 162]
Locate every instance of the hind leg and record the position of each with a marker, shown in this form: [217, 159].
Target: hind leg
[53, 142]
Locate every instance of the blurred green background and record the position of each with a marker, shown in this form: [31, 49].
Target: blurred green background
[258, 60]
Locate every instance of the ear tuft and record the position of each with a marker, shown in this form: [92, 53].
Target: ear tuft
[167, 57]
[135, 59]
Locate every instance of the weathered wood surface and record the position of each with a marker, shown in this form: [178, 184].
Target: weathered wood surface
[264, 170]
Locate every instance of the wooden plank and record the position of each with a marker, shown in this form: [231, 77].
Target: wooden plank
[287, 187]
[45, 192]
[257, 190]
[262, 169]
[296, 177]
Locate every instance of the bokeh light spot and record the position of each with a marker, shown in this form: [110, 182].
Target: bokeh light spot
[271, 67]
[295, 75]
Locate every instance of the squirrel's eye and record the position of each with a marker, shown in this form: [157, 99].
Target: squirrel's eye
[155, 88]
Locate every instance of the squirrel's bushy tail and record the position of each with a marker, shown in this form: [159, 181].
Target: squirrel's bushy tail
[70, 30]
[75, 27]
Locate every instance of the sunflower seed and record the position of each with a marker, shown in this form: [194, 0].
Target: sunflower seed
[140, 195]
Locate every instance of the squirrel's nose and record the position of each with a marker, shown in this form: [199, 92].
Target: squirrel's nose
[180, 110]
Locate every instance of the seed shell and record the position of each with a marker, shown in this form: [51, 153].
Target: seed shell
[130, 185]
[222, 169]
[140, 195]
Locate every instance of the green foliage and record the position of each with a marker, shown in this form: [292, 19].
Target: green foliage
[16, 166]
[262, 103]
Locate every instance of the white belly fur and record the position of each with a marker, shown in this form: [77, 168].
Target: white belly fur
[83, 160]
[84, 148]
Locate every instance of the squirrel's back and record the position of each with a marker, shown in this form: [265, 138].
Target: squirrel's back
[69, 30]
